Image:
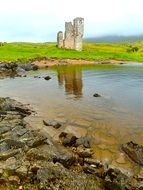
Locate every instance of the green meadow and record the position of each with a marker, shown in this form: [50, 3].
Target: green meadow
[22, 52]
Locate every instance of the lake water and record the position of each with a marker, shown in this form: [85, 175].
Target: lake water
[110, 120]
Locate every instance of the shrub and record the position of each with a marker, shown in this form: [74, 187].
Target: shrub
[132, 49]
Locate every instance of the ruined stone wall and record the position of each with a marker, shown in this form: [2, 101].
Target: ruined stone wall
[73, 35]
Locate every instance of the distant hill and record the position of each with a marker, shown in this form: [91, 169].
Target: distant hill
[114, 39]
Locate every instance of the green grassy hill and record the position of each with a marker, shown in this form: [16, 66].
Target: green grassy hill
[22, 52]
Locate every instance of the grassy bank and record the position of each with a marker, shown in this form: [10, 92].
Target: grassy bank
[25, 51]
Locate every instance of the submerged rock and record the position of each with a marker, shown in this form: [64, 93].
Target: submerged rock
[134, 152]
[52, 123]
[76, 130]
[83, 141]
[96, 95]
[67, 139]
[37, 77]
[47, 78]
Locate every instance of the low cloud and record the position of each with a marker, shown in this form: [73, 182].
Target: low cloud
[39, 20]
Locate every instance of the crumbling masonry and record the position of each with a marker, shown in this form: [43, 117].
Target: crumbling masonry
[73, 35]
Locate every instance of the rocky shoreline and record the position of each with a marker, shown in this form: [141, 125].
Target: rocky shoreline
[19, 69]
[15, 70]
[47, 62]
[31, 160]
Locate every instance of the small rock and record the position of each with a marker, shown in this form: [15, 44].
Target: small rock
[20, 70]
[22, 171]
[84, 152]
[35, 154]
[20, 188]
[76, 131]
[13, 143]
[94, 162]
[37, 141]
[64, 157]
[11, 163]
[93, 170]
[96, 95]
[67, 139]
[14, 179]
[29, 67]
[37, 77]
[83, 141]
[4, 147]
[4, 129]
[47, 78]
[35, 67]
[54, 124]
[8, 154]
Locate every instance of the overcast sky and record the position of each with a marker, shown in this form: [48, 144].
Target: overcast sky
[40, 20]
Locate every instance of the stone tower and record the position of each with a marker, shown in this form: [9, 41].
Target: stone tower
[60, 39]
[69, 36]
[73, 35]
[78, 33]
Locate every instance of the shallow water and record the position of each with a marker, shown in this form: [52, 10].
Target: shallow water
[110, 120]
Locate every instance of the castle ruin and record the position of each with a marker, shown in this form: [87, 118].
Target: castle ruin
[73, 35]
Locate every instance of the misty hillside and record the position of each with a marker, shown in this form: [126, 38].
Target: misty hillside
[113, 39]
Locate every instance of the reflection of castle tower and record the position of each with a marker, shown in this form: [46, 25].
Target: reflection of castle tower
[72, 80]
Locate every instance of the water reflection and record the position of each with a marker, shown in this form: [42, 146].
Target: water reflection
[71, 80]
